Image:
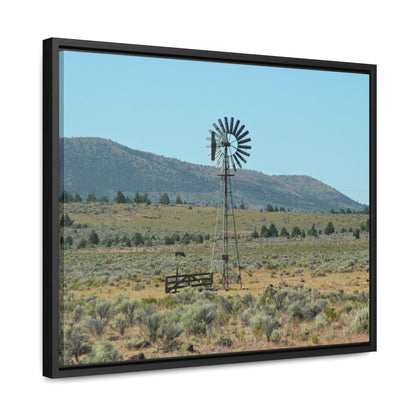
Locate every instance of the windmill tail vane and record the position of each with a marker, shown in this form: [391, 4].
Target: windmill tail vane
[228, 147]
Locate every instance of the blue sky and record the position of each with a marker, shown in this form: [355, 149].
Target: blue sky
[301, 122]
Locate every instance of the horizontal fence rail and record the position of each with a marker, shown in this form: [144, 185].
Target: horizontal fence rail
[179, 281]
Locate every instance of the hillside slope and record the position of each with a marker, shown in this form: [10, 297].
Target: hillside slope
[102, 166]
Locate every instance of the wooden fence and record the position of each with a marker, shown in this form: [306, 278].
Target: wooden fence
[179, 281]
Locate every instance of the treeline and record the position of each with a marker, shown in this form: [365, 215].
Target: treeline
[120, 198]
[272, 231]
[366, 210]
[269, 208]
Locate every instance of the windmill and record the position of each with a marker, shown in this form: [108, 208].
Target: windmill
[229, 145]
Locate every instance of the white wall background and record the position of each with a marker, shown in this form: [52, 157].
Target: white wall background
[376, 32]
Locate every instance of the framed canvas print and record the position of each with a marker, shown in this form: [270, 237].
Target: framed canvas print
[204, 207]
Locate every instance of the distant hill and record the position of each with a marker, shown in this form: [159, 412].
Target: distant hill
[90, 164]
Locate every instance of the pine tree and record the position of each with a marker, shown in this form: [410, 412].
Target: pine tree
[65, 221]
[295, 231]
[284, 233]
[329, 229]
[93, 238]
[138, 239]
[312, 231]
[164, 199]
[264, 232]
[178, 200]
[66, 197]
[356, 233]
[273, 231]
[77, 197]
[120, 198]
[269, 208]
[91, 198]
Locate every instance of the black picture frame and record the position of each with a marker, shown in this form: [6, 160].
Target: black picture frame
[51, 49]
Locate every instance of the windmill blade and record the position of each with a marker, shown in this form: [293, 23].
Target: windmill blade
[243, 152]
[236, 127]
[238, 162]
[213, 146]
[231, 124]
[242, 135]
[226, 125]
[232, 161]
[218, 129]
[239, 131]
[220, 159]
[216, 134]
[240, 157]
[243, 147]
[244, 141]
[222, 125]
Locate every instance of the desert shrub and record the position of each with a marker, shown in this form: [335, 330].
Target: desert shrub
[322, 320]
[188, 295]
[276, 335]
[246, 315]
[198, 317]
[248, 299]
[170, 330]
[225, 304]
[360, 322]
[348, 306]
[103, 309]
[313, 308]
[264, 321]
[82, 243]
[332, 314]
[150, 322]
[96, 325]
[75, 343]
[120, 324]
[129, 308]
[103, 352]
[78, 312]
[225, 342]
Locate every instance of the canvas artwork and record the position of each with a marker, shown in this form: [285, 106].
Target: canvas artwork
[210, 208]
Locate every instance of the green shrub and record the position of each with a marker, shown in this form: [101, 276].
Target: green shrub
[360, 322]
[78, 312]
[266, 322]
[82, 243]
[198, 317]
[130, 310]
[103, 309]
[103, 352]
[322, 320]
[96, 325]
[120, 324]
[276, 335]
[75, 343]
[188, 295]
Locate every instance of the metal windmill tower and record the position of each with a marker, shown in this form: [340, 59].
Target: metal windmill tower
[228, 145]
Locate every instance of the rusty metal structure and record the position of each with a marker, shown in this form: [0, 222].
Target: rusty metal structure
[229, 145]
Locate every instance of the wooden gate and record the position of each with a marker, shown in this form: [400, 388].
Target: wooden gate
[179, 281]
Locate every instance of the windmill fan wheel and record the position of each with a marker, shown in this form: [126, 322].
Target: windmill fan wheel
[229, 140]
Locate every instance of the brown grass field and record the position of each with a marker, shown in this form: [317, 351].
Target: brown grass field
[329, 272]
